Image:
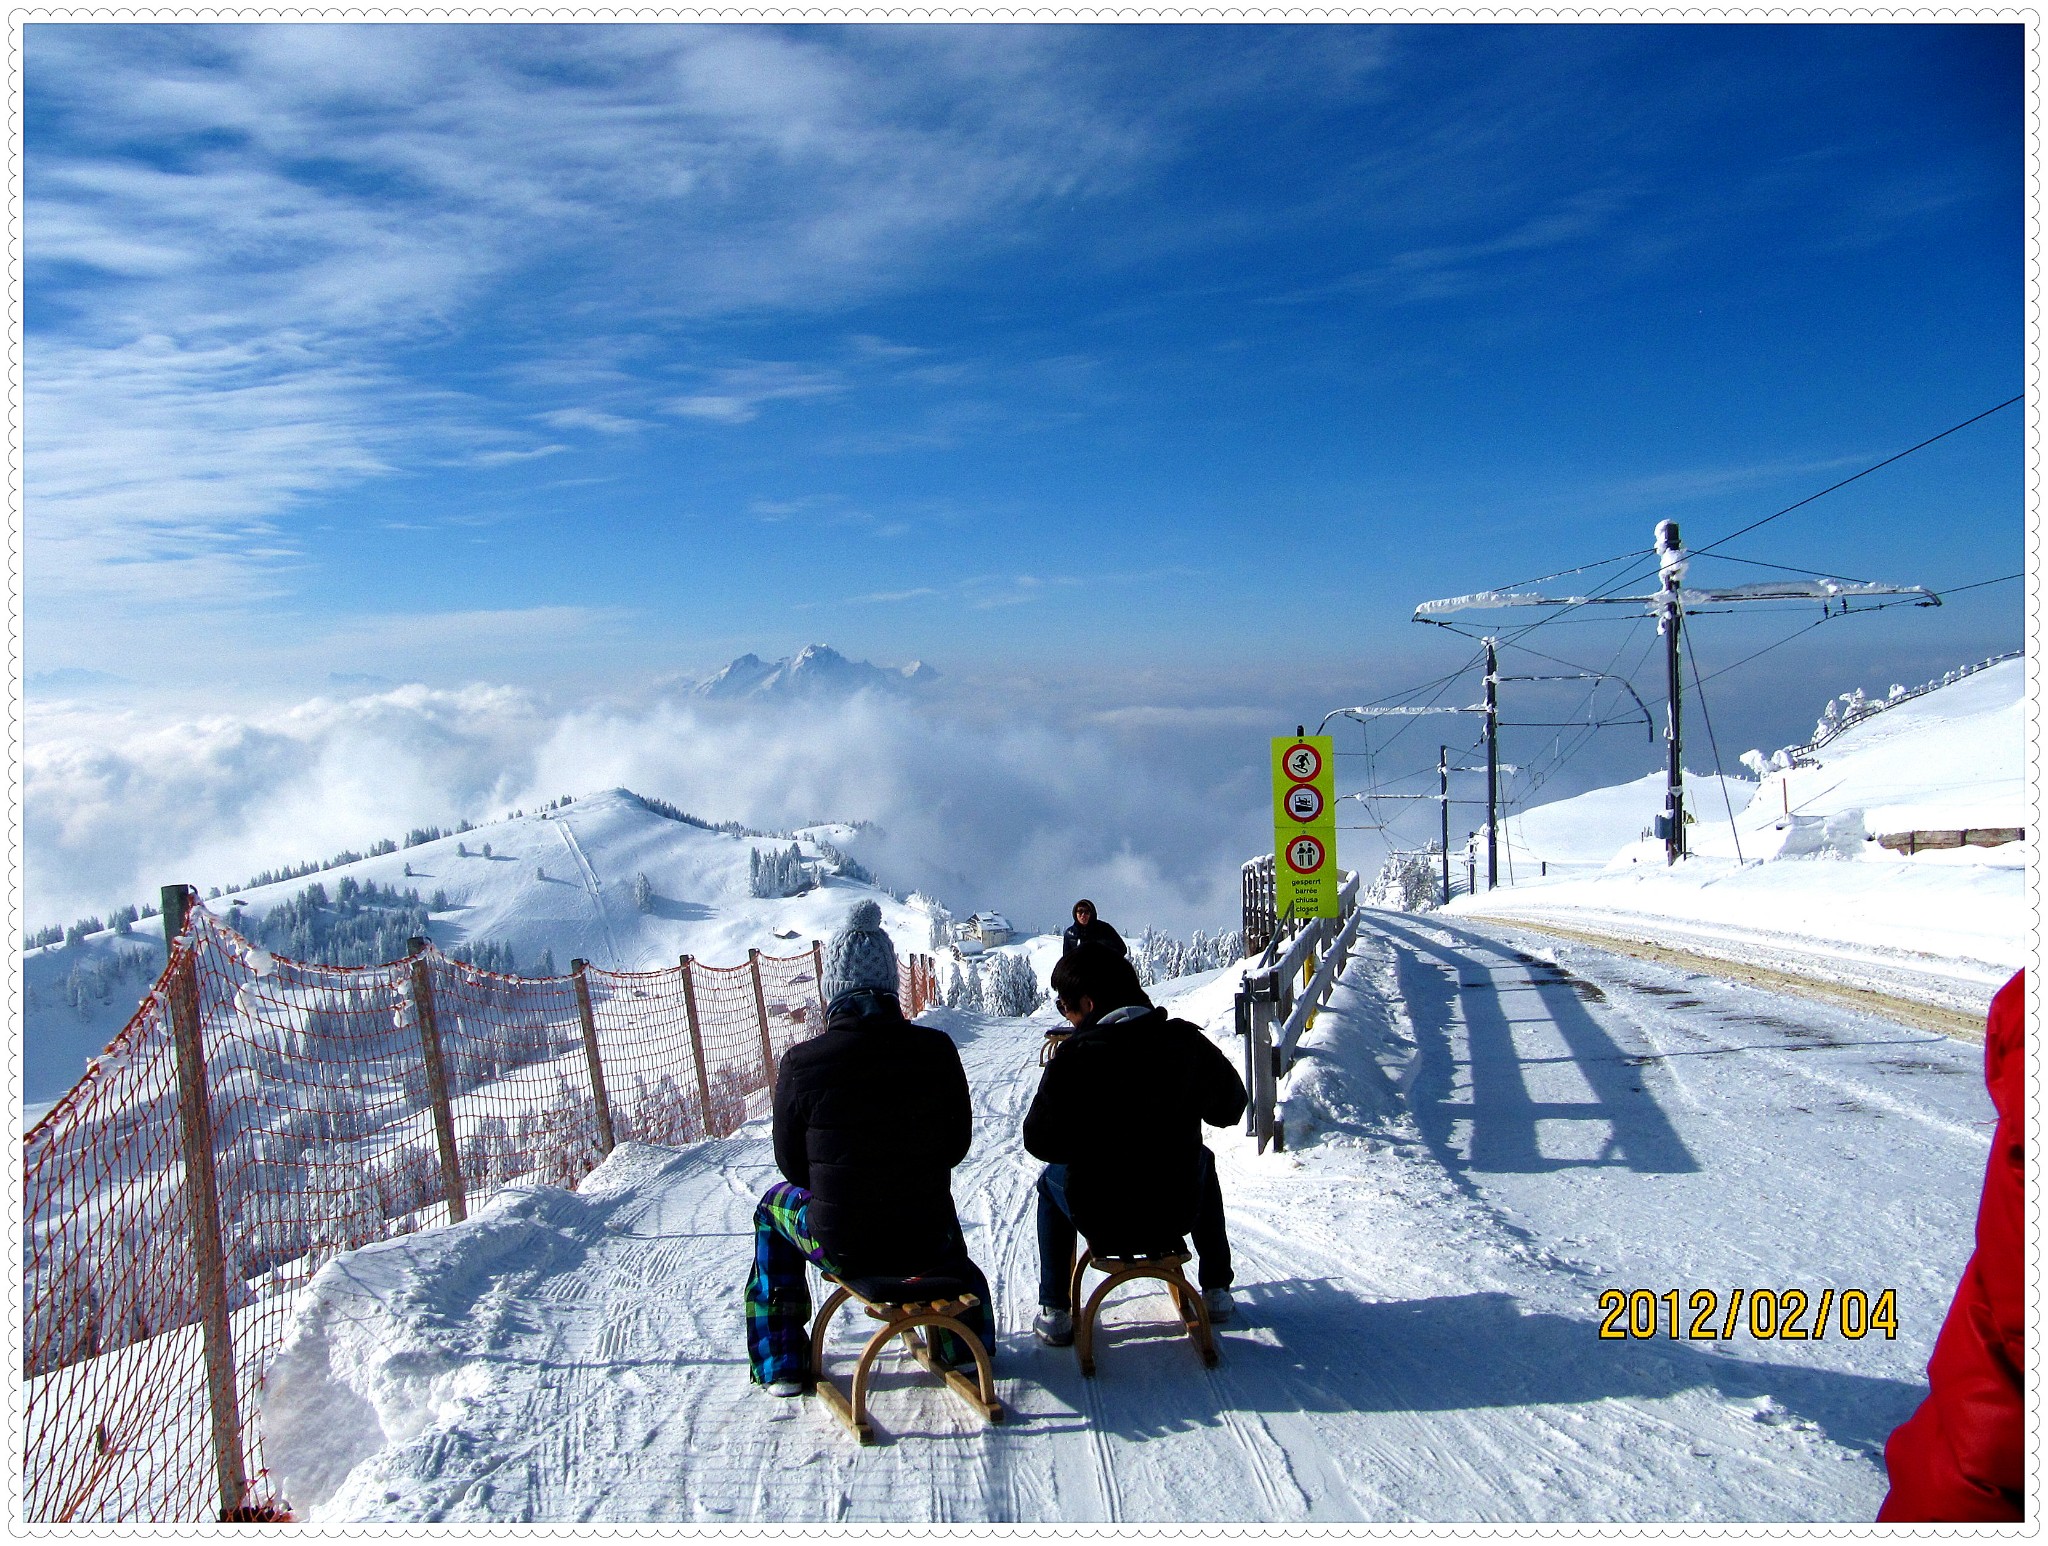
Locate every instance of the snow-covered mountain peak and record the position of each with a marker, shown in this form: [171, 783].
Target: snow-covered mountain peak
[815, 671]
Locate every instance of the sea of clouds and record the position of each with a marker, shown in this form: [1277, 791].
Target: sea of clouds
[1149, 812]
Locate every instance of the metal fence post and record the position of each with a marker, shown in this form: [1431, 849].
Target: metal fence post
[606, 1142]
[202, 1207]
[1263, 993]
[761, 1015]
[697, 1045]
[437, 1080]
[1241, 1009]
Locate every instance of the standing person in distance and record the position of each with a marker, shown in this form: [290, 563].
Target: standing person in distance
[1118, 1117]
[1088, 929]
[871, 1116]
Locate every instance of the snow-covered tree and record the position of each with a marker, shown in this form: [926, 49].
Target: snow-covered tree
[1009, 986]
[1412, 882]
[779, 872]
[643, 892]
[962, 987]
[1158, 957]
[939, 922]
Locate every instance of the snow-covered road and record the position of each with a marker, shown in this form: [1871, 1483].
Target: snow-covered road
[1485, 1133]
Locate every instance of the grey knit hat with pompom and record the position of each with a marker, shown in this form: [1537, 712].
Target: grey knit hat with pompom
[859, 955]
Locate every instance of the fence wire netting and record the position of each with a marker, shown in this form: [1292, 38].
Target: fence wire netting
[175, 1207]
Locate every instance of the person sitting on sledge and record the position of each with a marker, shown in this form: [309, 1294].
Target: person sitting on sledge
[1118, 1117]
[871, 1116]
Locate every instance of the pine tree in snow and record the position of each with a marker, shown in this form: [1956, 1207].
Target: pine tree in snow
[778, 872]
[1411, 882]
[1009, 986]
[643, 892]
[962, 989]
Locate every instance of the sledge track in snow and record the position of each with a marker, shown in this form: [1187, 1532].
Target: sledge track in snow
[594, 887]
[1936, 994]
[1417, 1336]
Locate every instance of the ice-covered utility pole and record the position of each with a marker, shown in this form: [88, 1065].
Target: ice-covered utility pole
[1671, 567]
[1668, 604]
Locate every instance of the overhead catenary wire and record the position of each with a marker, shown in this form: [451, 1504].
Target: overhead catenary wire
[1721, 778]
[1854, 476]
[1512, 637]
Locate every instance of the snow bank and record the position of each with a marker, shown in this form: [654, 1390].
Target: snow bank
[1794, 860]
[395, 1341]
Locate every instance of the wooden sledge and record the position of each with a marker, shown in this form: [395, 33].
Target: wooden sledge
[906, 1318]
[1194, 1314]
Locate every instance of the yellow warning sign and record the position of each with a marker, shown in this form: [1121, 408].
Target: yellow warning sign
[1304, 827]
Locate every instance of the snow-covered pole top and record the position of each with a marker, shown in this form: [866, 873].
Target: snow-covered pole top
[1671, 555]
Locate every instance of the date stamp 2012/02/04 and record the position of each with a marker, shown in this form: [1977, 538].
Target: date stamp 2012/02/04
[1766, 1314]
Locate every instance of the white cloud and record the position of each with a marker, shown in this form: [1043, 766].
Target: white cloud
[1015, 812]
[592, 419]
[237, 236]
[736, 394]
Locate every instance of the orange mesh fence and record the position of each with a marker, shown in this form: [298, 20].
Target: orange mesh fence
[259, 1115]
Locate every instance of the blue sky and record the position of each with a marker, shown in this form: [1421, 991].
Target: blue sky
[1020, 340]
[1127, 365]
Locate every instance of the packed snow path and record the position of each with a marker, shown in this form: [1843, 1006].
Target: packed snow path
[1483, 1136]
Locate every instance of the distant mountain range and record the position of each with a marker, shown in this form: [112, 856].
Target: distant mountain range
[815, 671]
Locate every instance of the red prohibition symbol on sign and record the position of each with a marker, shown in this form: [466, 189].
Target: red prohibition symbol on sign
[1302, 762]
[1304, 802]
[1304, 855]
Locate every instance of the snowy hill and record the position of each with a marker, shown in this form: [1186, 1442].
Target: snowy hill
[555, 884]
[1945, 924]
[815, 671]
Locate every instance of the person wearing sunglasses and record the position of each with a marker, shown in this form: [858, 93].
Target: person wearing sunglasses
[1118, 1118]
[1089, 929]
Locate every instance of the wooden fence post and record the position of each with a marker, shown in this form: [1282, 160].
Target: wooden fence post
[761, 1014]
[437, 1081]
[202, 1208]
[818, 974]
[606, 1142]
[697, 1049]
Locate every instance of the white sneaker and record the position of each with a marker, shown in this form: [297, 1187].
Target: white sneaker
[1055, 1328]
[1220, 1305]
[786, 1388]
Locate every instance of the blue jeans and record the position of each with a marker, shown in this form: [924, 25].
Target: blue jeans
[1057, 1236]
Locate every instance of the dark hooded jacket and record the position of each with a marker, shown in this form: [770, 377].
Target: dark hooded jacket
[1121, 1105]
[1094, 932]
[871, 1116]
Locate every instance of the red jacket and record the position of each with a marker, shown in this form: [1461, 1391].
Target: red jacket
[1961, 1457]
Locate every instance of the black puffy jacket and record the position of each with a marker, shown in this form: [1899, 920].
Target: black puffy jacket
[871, 1116]
[1096, 932]
[1121, 1105]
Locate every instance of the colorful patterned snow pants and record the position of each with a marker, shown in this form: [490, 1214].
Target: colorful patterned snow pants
[779, 1291]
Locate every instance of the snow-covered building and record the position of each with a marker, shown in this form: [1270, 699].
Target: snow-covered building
[988, 929]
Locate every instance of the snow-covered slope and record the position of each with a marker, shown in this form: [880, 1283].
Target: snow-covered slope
[1481, 1143]
[559, 883]
[1794, 860]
